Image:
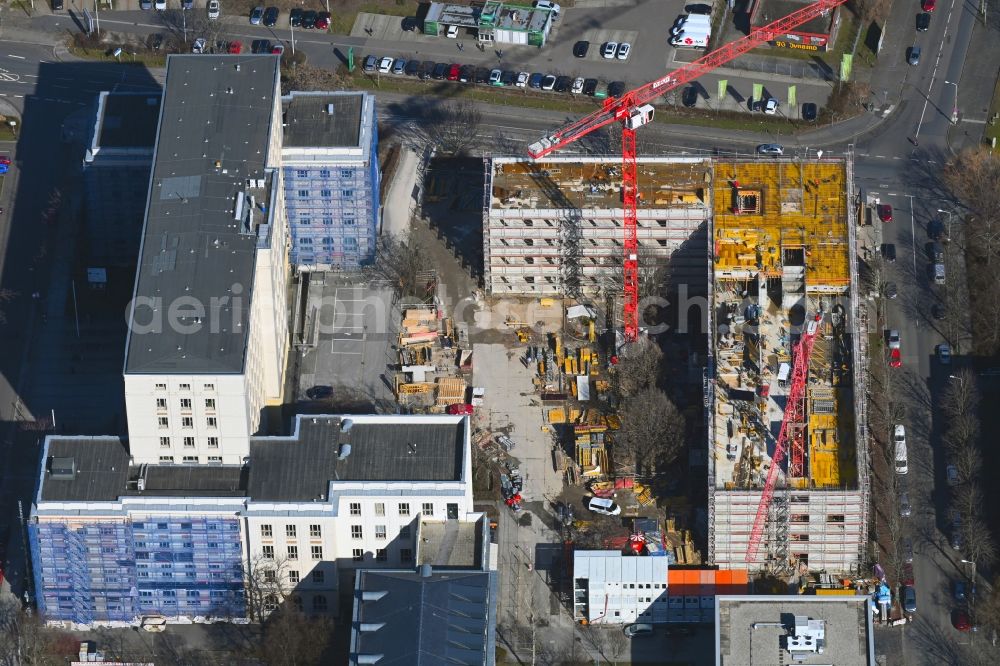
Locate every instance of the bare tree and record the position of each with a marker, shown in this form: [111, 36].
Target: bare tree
[652, 432]
[639, 368]
[306, 77]
[26, 641]
[266, 586]
[968, 498]
[979, 546]
[291, 638]
[961, 395]
[968, 462]
[400, 260]
[453, 128]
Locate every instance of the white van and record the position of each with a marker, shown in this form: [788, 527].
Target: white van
[694, 39]
[899, 441]
[605, 506]
[691, 22]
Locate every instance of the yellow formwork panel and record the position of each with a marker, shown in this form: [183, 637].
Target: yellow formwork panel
[803, 205]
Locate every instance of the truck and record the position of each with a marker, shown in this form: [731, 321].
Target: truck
[696, 38]
[691, 22]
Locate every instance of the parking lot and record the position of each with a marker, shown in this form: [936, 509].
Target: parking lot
[645, 26]
[354, 327]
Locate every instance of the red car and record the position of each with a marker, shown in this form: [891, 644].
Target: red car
[960, 620]
[460, 409]
[884, 212]
[928, 5]
[895, 359]
[4, 160]
[235, 47]
[453, 72]
[323, 21]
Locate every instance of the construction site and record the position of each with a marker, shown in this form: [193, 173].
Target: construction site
[788, 485]
[784, 383]
[555, 227]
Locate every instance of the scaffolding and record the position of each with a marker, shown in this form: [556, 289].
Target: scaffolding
[109, 570]
[784, 249]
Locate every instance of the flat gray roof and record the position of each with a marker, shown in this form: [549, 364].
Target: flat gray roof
[102, 473]
[450, 544]
[129, 120]
[301, 467]
[443, 618]
[212, 138]
[297, 468]
[848, 629]
[309, 121]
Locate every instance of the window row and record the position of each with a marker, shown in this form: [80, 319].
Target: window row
[326, 221]
[161, 403]
[326, 194]
[324, 173]
[187, 422]
[426, 508]
[189, 442]
[291, 531]
[349, 243]
[186, 387]
[169, 460]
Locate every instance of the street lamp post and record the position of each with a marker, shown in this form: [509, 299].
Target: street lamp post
[949, 214]
[954, 108]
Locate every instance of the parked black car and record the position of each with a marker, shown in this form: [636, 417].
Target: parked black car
[581, 48]
[616, 89]
[809, 111]
[309, 19]
[935, 229]
[923, 22]
[589, 87]
[295, 17]
[412, 67]
[508, 77]
[440, 71]
[482, 75]
[563, 83]
[690, 97]
[426, 70]
[889, 252]
[409, 24]
[699, 9]
[270, 16]
[466, 74]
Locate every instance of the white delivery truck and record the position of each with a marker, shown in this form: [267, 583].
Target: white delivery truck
[690, 22]
[692, 39]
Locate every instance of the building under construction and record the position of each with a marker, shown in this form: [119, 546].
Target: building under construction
[784, 258]
[782, 254]
[554, 227]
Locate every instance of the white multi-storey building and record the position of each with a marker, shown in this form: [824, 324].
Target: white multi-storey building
[612, 588]
[339, 494]
[208, 335]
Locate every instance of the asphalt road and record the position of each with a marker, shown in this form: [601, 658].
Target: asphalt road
[899, 160]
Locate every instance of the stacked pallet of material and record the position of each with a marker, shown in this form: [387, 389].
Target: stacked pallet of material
[419, 326]
[450, 390]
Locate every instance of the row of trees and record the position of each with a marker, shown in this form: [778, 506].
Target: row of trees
[971, 179]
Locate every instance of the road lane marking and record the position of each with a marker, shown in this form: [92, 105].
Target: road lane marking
[11, 55]
[913, 237]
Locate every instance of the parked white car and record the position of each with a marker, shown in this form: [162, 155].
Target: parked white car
[605, 506]
[577, 86]
[522, 79]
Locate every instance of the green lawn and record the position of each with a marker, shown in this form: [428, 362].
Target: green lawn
[573, 106]
[150, 60]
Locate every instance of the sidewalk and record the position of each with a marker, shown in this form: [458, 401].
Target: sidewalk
[976, 85]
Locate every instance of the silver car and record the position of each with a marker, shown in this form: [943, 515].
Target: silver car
[770, 149]
[905, 509]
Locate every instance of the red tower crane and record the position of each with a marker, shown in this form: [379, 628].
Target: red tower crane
[792, 428]
[633, 110]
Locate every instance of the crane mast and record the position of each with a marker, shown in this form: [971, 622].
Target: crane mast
[791, 429]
